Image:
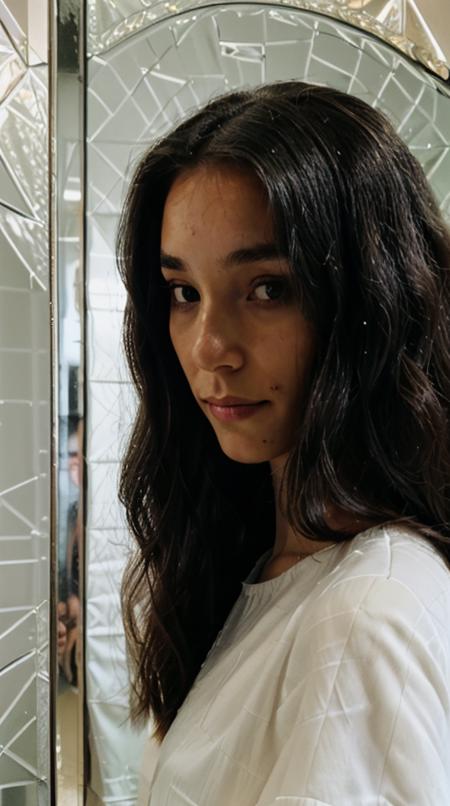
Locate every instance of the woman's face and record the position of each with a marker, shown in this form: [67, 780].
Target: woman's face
[238, 331]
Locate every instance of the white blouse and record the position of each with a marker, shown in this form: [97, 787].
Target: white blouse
[328, 686]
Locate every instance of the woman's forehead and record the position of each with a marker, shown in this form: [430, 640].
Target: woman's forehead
[219, 204]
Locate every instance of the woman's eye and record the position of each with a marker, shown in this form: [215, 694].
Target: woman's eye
[182, 294]
[269, 291]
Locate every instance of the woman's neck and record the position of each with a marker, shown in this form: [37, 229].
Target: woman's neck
[288, 543]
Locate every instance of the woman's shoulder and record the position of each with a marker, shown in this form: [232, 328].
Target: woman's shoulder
[395, 552]
[386, 595]
[385, 571]
[400, 554]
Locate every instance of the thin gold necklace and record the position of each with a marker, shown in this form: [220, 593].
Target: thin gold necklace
[301, 556]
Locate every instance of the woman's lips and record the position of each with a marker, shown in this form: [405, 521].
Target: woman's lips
[237, 411]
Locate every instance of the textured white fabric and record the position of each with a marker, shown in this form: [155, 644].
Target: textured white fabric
[328, 686]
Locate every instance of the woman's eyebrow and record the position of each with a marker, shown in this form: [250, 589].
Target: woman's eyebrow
[247, 254]
[252, 254]
[170, 262]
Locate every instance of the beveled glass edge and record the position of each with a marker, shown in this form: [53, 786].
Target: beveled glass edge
[56, 18]
[54, 408]
[362, 20]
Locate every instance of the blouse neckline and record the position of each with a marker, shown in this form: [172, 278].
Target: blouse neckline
[251, 586]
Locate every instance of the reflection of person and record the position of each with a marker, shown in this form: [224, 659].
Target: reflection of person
[287, 270]
[69, 611]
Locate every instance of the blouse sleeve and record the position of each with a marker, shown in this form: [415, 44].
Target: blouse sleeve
[368, 724]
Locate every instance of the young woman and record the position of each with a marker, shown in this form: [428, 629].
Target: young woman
[288, 476]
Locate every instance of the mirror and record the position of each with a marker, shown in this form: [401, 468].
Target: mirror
[146, 68]
[25, 407]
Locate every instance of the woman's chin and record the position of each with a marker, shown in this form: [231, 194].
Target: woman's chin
[248, 454]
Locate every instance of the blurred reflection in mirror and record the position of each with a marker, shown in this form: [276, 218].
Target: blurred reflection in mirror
[69, 609]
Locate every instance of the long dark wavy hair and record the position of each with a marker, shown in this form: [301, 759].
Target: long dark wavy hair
[369, 253]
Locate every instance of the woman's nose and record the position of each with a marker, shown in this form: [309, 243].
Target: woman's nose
[217, 342]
